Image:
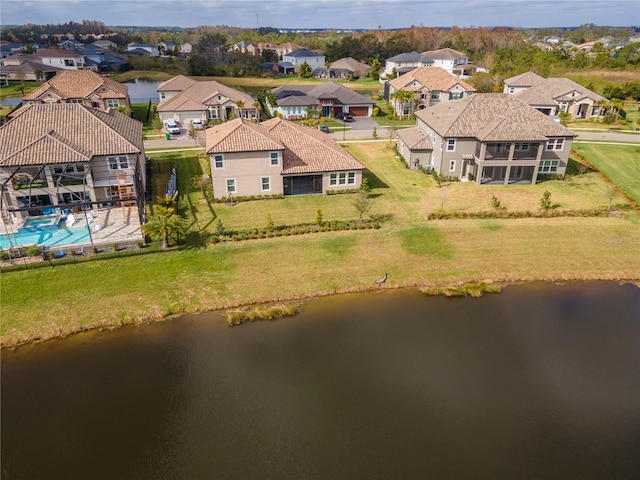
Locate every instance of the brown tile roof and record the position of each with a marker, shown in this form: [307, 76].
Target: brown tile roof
[200, 94]
[527, 79]
[80, 84]
[305, 149]
[445, 54]
[308, 150]
[552, 90]
[56, 53]
[433, 78]
[491, 117]
[240, 135]
[351, 64]
[177, 83]
[58, 133]
[415, 138]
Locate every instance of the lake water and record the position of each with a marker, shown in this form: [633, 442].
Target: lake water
[537, 382]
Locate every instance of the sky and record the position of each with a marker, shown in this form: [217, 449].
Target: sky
[335, 14]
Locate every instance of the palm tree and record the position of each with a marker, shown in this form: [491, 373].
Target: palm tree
[239, 107]
[161, 227]
[402, 97]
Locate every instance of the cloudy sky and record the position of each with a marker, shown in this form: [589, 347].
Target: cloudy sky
[340, 14]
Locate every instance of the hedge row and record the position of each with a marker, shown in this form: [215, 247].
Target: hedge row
[594, 212]
[288, 230]
[248, 198]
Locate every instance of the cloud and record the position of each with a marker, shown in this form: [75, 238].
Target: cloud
[341, 14]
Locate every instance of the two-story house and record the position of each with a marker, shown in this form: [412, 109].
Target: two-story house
[302, 55]
[559, 95]
[432, 85]
[490, 138]
[81, 87]
[405, 62]
[60, 57]
[183, 99]
[277, 157]
[64, 156]
[450, 60]
[520, 83]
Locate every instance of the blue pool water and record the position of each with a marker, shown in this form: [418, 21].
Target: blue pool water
[48, 238]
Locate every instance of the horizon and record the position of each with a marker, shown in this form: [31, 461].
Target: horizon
[301, 15]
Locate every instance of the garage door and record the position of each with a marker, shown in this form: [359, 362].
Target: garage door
[359, 111]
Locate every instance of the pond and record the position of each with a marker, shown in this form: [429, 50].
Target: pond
[540, 381]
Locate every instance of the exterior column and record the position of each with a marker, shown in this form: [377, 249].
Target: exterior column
[478, 177]
[507, 173]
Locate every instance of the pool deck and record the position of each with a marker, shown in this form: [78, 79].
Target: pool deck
[111, 225]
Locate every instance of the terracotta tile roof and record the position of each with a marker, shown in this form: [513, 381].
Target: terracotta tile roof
[200, 94]
[433, 78]
[80, 84]
[305, 149]
[527, 79]
[552, 90]
[491, 117]
[240, 135]
[56, 133]
[415, 138]
[308, 150]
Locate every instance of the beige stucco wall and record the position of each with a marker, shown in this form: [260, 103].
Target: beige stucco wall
[247, 169]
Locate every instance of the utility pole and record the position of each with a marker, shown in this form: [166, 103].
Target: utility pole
[257, 24]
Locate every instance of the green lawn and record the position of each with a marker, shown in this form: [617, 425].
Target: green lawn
[413, 250]
[619, 163]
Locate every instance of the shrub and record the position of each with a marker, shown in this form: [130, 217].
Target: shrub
[496, 204]
[545, 201]
[319, 217]
[270, 224]
[33, 250]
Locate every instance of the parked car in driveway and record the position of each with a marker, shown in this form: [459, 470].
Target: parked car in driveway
[344, 116]
[171, 126]
[196, 123]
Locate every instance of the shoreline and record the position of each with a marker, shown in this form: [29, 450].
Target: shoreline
[304, 298]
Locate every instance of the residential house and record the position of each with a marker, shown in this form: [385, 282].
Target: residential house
[167, 48]
[59, 57]
[55, 157]
[328, 98]
[284, 49]
[244, 47]
[142, 49]
[71, 44]
[405, 62]
[454, 62]
[7, 49]
[556, 95]
[185, 48]
[103, 60]
[105, 44]
[183, 99]
[490, 138]
[20, 67]
[432, 85]
[298, 57]
[81, 87]
[277, 157]
[348, 68]
[520, 83]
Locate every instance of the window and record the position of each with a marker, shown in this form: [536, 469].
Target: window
[435, 95]
[522, 147]
[118, 162]
[455, 95]
[76, 100]
[218, 161]
[266, 184]
[452, 166]
[423, 96]
[548, 166]
[512, 90]
[162, 95]
[231, 185]
[451, 145]
[342, 178]
[69, 63]
[69, 169]
[555, 144]
[113, 102]
[273, 159]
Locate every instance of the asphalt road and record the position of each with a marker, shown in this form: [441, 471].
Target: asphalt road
[362, 127]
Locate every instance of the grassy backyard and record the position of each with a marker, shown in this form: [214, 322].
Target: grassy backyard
[413, 250]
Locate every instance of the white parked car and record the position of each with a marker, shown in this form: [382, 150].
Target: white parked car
[197, 124]
[171, 126]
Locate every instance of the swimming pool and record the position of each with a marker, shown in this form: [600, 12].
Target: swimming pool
[38, 224]
[48, 238]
